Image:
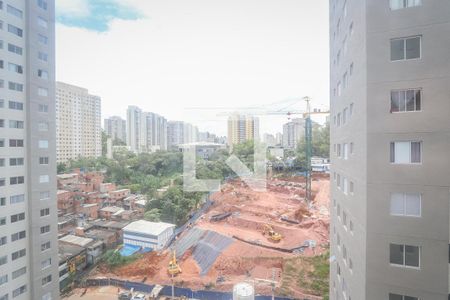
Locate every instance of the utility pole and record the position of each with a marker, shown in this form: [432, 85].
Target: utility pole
[308, 140]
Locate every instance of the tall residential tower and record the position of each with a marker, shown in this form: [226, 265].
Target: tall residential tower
[390, 137]
[28, 212]
[78, 128]
[116, 128]
[242, 128]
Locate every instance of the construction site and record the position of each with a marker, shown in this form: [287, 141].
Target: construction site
[270, 239]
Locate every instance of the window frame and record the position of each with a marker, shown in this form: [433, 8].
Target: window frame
[404, 39]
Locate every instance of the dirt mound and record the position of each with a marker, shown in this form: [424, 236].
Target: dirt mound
[145, 266]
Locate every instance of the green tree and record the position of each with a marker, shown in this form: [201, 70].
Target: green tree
[152, 215]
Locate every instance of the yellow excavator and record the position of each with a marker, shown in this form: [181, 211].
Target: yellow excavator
[272, 235]
[174, 269]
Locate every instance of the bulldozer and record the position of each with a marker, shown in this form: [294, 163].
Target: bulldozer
[173, 269]
[271, 234]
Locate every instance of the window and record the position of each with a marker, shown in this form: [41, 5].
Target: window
[15, 68]
[16, 124]
[45, 229]
[352, 187]
[19, 272]
[17, 217]
[14, 86]
[15, 105]
[338, 181]
[42, 4]
[43, 144]
[345, 183]
[43, 126]
[15, 30]
[15, 49]
[43, 56]
[43, 74]
[3, 260]
[18, 236]
[44, 195]
[344, 115]
[3, 240]
[406, 48]
[2, 142]
[46, 280]
[14, 11]
[42, 22]
[44, 179]
[15, 143]
[2, 201]
[42, 92]
[338, 150]
[43, 108]
[339, 88]
[45, 246]
[350, 29]
[46, 263]
[406, 152]
[47, 296]
[43, 160]
[406, 204]
[2, 221]
[406, 100]
[19, 291]
[3, 279]
[16, 180]
[4, 297]
[2, 181]
[404, 255]
[400, 4]
[2, 123]
[17, 199]
[42, 39]
[2, 162]
[344, 80]
[352, 146]
[45, 212]
[345, 150]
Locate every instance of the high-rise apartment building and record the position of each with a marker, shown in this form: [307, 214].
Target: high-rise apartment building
[242, 128]
[116, 128]
[179, 132]
[78, 128]
[28, 211]
[146, 131]
[390, 89]
[293, 133]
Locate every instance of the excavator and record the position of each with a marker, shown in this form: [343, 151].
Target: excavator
[173, 269]
[271, 234]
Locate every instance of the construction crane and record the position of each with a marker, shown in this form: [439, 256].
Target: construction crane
[308, 137]
[272, 234]
[174, 269]
[286, 111]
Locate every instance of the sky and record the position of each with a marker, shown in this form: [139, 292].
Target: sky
[196, 60]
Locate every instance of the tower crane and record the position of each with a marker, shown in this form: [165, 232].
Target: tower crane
[267, 110]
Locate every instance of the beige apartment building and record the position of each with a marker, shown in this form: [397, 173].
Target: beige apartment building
[78, 127]
[242, 128]
[390, 140]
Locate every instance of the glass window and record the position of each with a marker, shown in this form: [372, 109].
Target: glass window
[15, 30]
[396, 254]
[406, 152]
[406, 48]
[405, 255]
[14, 11]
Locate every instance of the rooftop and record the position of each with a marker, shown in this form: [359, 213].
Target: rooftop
[66, 176]
[147, 227]
[76, 240]
[111, 209]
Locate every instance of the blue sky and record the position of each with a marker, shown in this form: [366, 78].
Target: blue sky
[93, 15]
[169, 56]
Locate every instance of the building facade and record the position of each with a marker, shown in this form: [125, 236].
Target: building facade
[179, 132]
[293, 133]
[116, 128]
[242, 128]
[28, 212]
[390, 87]
[78, 128]
[146, 131]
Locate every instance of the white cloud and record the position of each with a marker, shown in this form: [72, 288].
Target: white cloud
[207, 53]
[73, 8]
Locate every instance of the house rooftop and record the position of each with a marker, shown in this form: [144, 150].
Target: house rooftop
[148, 228]
[76, 240]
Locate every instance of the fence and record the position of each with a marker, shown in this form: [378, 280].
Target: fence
[167, 290]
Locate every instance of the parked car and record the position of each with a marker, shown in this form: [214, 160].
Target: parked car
[138, 297]
[125, 295]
